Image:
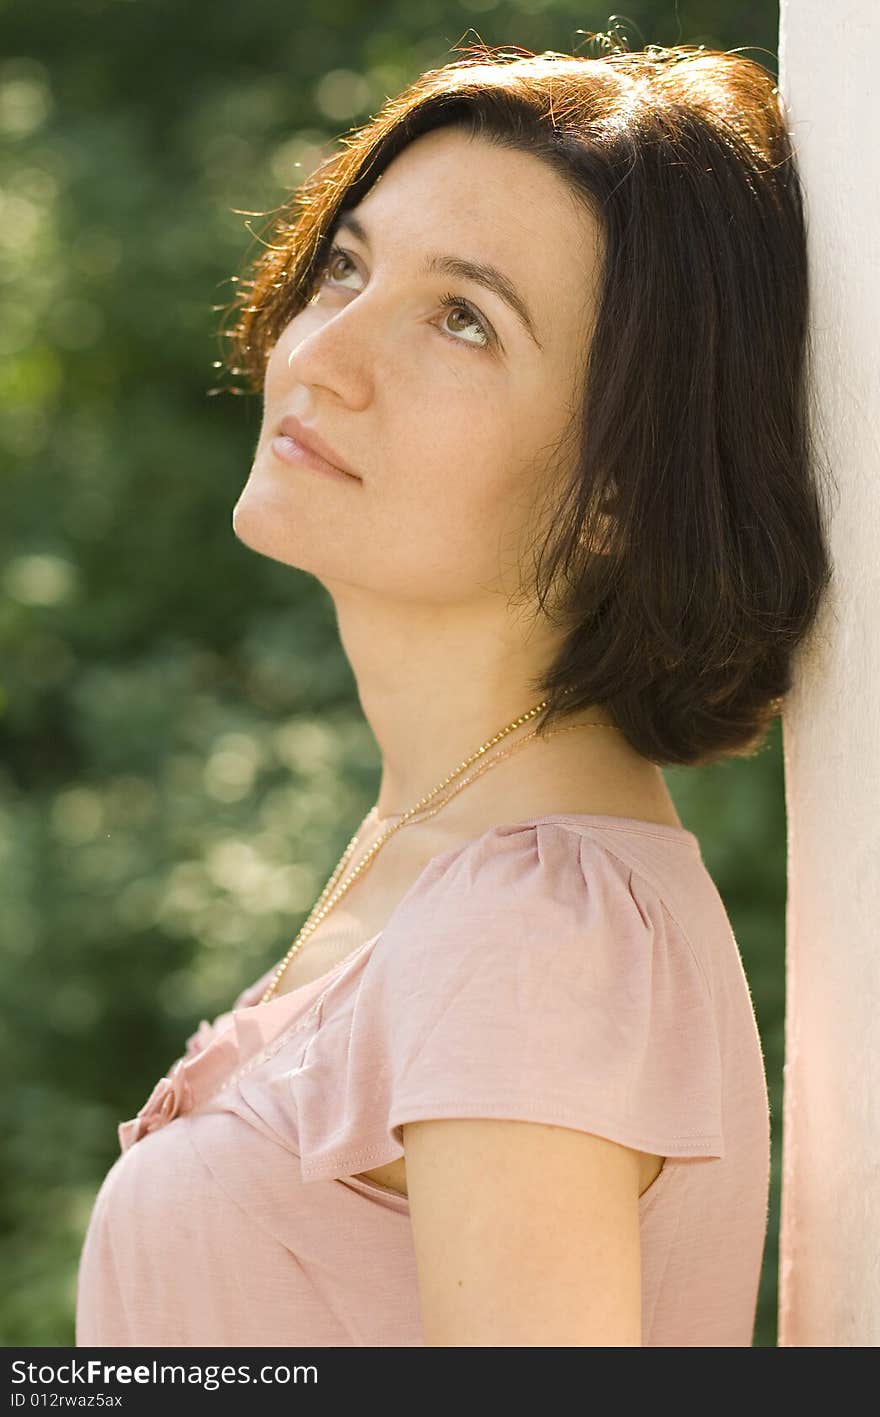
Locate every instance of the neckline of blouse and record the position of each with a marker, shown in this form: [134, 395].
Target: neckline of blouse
[603, 820]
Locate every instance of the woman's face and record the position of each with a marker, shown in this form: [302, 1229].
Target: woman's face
[451, 417]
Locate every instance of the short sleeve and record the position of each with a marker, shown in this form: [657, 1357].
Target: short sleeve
[533, 975]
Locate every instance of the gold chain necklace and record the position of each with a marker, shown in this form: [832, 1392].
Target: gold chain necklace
[320, 910]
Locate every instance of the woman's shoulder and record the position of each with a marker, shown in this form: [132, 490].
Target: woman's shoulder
[533, 965]
[562, 875]
[534, 844]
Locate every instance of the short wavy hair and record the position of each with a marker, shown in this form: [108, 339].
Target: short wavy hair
[694, 430]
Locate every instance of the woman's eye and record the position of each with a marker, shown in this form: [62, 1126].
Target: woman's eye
[334, 254]
[454, 302]
[449, 302]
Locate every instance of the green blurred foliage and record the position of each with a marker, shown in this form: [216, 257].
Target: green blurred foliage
[183, 754]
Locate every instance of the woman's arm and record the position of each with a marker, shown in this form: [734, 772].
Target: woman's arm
[525, 1234]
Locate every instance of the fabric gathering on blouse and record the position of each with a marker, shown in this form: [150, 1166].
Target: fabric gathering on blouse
[574, 970]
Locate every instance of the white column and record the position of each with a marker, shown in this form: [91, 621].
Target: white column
[829, 1261]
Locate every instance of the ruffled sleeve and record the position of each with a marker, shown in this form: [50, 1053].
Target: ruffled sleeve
[530, 974]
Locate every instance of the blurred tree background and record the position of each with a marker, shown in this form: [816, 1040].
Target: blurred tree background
[183, 754]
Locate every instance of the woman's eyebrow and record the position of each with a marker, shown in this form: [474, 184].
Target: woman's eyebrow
[479, 271]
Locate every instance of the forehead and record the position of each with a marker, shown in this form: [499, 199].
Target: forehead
[464, 196]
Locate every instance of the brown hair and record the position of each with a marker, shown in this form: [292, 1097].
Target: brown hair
[695, 435]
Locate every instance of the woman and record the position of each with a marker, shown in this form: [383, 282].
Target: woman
[532, 352]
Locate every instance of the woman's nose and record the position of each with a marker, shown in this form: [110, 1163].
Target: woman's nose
[340, 352]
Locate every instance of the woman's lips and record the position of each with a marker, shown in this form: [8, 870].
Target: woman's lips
[289, 450]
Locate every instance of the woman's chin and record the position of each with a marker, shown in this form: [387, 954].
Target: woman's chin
[260, 523]
[267, 526]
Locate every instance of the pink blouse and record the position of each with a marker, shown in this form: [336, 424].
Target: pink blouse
[576, 970]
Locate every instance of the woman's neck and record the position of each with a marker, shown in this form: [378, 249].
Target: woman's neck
[587, 771]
